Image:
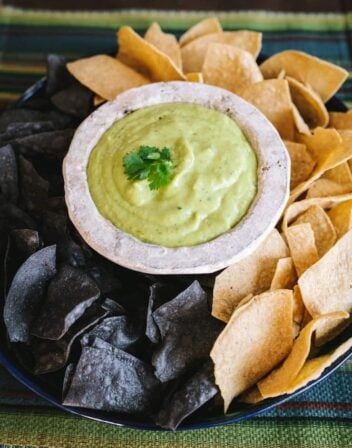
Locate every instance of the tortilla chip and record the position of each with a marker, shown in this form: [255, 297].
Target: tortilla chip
[69, 294]
[166, 43]
[207, 26]
[341, 174]
[329, 148]
[308, 103]
[341, 217]
[194, 77]
[26, 293]
[295, 209]
[257, 337]
[324, 231]
[112, 380]
[252, 275]
[280, 380]
[98, 100]
[230, 68]
[105, 76]
[8, 175]
[139, 54]
[325, 78]
[340, 120]
[326, 286]
[272, 97]
[298, 306]
[193, 54]
[245, 300]
[302, 246]
[300, 124]
[284, 275]
[302, 163]
[181, 320]
[189, 396]
[314, 367]
[326, 187]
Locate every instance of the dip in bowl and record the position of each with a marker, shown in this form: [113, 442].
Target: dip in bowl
[228, 186]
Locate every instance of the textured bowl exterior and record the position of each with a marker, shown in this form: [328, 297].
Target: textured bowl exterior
[126, 250]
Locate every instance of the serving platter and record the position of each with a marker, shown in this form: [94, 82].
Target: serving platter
[48, 389]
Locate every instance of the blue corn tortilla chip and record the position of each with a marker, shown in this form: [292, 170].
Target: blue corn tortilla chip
[12, 217]
[69, 294]
[110, 379]
[8, 175]
[34, 189]
[50, 356]
[17, 130]
[160, 293]
[26, 292]
[58, 77]
[20, 116]
[75, 100]
[69, 373]
[52, 145]
[27, 241]
[188, 397]
[188, 331]
[119, 331]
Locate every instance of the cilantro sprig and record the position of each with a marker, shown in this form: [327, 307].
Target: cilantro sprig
[150, 163]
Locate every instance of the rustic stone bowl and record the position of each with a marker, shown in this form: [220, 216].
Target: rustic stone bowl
[126, 250]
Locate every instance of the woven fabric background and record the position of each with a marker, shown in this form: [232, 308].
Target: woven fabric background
[321, 417]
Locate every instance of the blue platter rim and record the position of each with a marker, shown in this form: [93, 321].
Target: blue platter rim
[34, 384]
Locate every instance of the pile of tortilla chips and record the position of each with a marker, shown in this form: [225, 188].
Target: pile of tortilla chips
[131, 343]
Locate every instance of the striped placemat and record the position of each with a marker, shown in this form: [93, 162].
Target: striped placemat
[321, 417]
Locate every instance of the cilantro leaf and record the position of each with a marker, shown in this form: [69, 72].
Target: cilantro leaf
[150, 163]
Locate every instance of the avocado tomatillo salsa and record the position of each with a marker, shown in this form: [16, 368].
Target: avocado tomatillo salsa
[213, 182]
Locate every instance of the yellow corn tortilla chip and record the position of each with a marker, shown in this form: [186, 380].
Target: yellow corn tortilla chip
[252, 275]
[285, 274]
[300, 124]
[295, 209]
[326, 286]
[341, 217]
[340, 120]
[281, 75]
[324, 230]
[341, 174]
[105, 76]
[245, 300]
[298, 306]
[308, 103]
[311, 370]
[257, 337]
[325, 78]
[195, 77]
[230, 68]
[139, 54]
[300, 239]
[272, 97]
[193, 54]
[302, 163]
[280, 380]
[166, 43]
[329, 148]
[326, 187]
[98, 100]
[206, 26]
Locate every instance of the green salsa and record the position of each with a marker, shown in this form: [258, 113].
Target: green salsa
[214, 180]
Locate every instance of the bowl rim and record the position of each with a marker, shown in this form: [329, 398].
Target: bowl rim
[122, 248]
